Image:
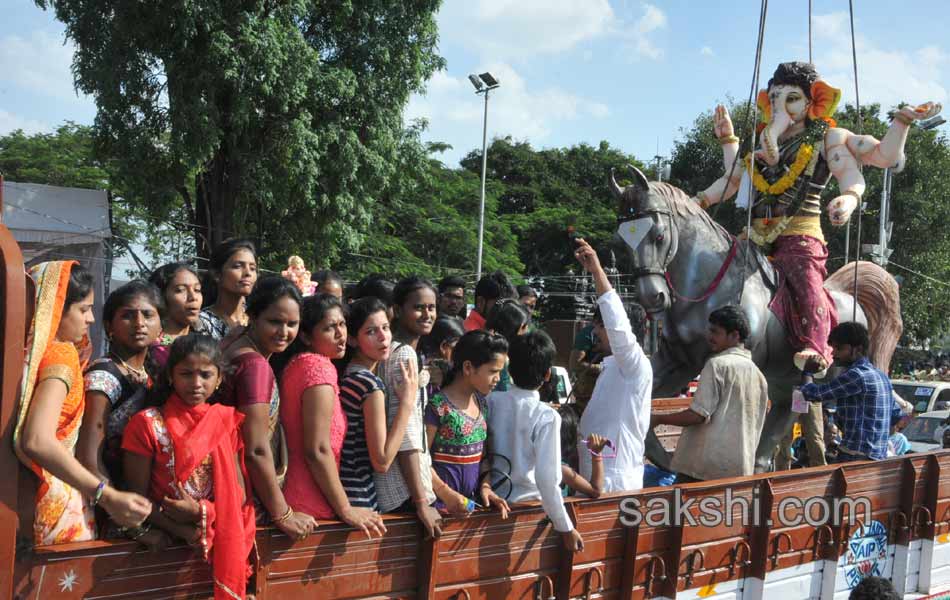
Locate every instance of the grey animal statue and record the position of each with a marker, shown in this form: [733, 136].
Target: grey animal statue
[687, 265]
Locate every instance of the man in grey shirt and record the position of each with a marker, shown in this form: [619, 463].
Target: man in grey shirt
[722, 426]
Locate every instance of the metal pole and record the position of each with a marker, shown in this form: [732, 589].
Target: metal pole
[481, 211]
[882, 225]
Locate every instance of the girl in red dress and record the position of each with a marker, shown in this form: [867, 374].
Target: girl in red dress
[186, 456]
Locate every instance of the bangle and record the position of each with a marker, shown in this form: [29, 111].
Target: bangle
[856, 195]
[596, 456]
[902, 119]
[285, 516]
[729, 139]
[134, 533]
[97, 495]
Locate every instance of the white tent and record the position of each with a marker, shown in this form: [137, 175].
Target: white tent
[57, 223]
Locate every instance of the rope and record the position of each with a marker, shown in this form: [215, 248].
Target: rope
[753, 116]
[857, 102]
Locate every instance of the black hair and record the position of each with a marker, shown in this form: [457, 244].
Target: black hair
[324, 275]
[312, 310]
[163, 276]
[356, 314]
[445, 329]
[476, 347]
[530, 359]
[220, 257]
[494, 286]
[874, 588]
[731, 318]
[853, 334]
[81, 282]
[507, 318]
[570, 419]
[526, 290]
[123, 295]
[375, 285]
[181, 348]
[801, 74]
[268, 290]
[451, 281]
[407, 286]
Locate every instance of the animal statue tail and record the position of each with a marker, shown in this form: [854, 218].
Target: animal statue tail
[878, 295]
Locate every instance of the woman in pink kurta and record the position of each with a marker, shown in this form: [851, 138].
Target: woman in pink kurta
[306, 370]
[313, 419]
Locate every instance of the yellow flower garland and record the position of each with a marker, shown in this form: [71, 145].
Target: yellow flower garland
[802, 158]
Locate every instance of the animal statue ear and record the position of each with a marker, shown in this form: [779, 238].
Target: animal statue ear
[765, 110]
[639, 179]
[824, 100]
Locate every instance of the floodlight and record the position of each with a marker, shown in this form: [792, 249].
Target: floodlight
[934, 121]
[489, 79]
[476, 81]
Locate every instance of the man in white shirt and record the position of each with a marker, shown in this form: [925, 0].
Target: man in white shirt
[528, 433]
[619, 408]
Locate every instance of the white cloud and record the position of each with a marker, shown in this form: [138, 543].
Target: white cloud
[639, 43]
[513, 29]
[885, 76]
[10, 122]
[514, 108]
[706, 51]
[39, 63]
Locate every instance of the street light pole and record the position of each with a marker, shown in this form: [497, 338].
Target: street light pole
[484, 84]
[481, 208]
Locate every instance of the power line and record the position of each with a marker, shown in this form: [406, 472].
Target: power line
[918, 273]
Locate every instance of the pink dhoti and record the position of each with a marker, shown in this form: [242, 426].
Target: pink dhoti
[802, 303]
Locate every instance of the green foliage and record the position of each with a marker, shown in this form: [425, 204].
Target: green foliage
[64, 158]
[919, 211]
[277, 121]
[541, 193]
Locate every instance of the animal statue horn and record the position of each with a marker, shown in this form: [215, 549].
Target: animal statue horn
[639, 179]
[615, 188]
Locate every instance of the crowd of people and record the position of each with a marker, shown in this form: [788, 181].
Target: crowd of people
[240, 401]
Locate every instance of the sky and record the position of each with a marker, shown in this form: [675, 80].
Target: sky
[577, 71]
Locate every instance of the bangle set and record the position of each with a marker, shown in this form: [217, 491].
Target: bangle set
[729, 139]
[601, 454]
[285, 516]
[901, 118]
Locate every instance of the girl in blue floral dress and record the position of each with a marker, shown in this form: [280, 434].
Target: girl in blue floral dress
[455, 421]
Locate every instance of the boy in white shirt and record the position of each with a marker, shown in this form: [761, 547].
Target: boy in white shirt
[619, 407]
[528, 433]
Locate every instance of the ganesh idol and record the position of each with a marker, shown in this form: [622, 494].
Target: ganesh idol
[800, 150]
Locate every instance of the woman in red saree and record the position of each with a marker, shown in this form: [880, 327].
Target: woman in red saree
[186, 456]
[51, 410]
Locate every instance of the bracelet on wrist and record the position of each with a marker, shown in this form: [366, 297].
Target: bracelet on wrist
[97, 495]
[729, 139]
[289, 513]
[902, 119]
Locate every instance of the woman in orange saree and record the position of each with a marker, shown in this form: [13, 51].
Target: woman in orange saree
[51, 408]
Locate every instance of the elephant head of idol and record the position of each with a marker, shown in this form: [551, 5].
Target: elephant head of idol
[794, 97]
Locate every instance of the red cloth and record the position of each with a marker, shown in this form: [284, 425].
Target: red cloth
[251, 382]
[802, 303]
[304, 371]
[474, 321]
[181, 438]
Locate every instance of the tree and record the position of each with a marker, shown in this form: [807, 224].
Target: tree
[543, 193]
[918, 210]
[277, 121]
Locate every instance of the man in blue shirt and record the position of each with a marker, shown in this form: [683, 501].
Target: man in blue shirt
[863, 395]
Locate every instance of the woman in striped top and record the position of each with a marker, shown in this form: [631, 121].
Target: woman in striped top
[369, 445]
